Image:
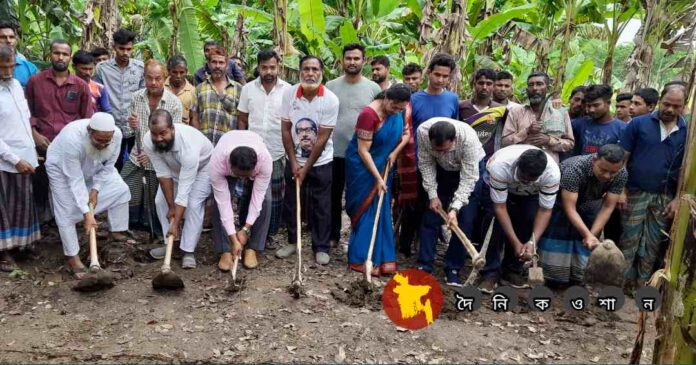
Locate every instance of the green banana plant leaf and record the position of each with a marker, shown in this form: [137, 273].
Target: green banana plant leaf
[490, 25]
[312, 24]
[190, 43]
[581, 76]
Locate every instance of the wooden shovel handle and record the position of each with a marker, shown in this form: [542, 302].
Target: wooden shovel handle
[93, 256]
[299, 228]
[234, 268]
[462, 237]
[166, 267]
[368, 261]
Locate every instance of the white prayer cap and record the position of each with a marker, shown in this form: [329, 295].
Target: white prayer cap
[102, 122]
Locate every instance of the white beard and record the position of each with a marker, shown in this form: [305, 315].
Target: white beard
[98, 155]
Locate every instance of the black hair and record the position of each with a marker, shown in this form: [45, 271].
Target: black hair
[444, 60]
[484, 72]
[503, 75]
[411, 68]
[440, 132]
[100, 51]
[266, 54]
[532, 163]
[599, 91]
[380, 60]
[397, 92]
[623, 97]
[123, 36]
[612, 153]
[578, 89]
[649, 95]
[59, 41]
[209, 43]
[546, 77]
[311, 57]
[243, 158]
[353, 47]
[82, 58]
[176, 60]
[675, 85]
[7, 24]
[161, 114]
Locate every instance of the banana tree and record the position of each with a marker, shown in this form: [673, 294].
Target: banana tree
[616, 15]
[663, 18]
[99, 22]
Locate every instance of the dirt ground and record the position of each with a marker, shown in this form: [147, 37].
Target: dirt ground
[43, 321]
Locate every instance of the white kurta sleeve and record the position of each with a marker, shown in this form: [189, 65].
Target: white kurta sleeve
[6, 153]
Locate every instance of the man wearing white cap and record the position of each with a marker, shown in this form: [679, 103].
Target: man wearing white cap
[80, 165]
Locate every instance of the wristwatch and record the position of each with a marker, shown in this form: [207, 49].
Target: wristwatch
[246, 230]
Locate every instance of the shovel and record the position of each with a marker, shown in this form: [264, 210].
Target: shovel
[167, 279]
[235, 285]
[478, 261]
[474, 272]
[97, 279]
[296, 284]
[536, 273]
[368, 260]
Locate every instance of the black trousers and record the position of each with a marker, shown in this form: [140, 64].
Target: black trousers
[411, 219]
[318, 186]
[126, 145]
[338, 184]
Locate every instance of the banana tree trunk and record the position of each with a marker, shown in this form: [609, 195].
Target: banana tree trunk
[567, 33]
[542, 55]
[426, 24]
[452, 37]
[237, 48]
[676, 323]
[649, 36]
[99, 22]
[608, 68]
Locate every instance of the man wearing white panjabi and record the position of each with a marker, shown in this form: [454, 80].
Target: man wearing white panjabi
[80, 165]
[180, 155]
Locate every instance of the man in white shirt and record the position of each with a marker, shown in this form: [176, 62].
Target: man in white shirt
[259, 111]
[523, 181]
[180, 157]
[84, 182]
[309, 115]
[449, 153]
[354, 92]
[19, 225]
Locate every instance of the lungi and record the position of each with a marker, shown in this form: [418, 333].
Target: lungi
[19, 221]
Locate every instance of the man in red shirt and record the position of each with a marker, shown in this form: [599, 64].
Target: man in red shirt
[55, 97]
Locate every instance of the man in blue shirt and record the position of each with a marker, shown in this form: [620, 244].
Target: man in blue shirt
[655, 143]
[598, 127]
[23, 68]
[433, 101]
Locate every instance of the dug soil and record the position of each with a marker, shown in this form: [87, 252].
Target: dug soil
[338, 317]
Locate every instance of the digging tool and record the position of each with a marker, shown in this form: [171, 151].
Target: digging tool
[167, 279]
[536, 273]
[97, 279]
[296, 285]
[368, 260]
[474, 272]
[605, 265]
[145, 190]
[235, 285]
[477, 260]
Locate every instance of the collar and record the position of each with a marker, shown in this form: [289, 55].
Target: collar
[300, 92]
[187, 85]
[681, 123]
[51, 75]
[209, 79]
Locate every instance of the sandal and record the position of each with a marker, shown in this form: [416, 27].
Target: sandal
[8, 264]
[78, 273]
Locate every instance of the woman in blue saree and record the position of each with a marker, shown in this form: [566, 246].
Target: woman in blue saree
[380, 134]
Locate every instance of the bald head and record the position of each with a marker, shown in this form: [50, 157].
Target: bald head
[155, 74]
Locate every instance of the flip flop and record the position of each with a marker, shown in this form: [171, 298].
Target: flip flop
[8, 265]
[78, 273]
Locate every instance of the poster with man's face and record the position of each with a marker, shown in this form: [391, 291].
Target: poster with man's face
[307, 132]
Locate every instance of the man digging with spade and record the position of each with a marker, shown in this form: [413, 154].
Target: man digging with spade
[80, 165]
[180, 156]
[241, 155]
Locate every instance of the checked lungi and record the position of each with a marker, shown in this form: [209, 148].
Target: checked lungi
[642, 242]
[19, 220]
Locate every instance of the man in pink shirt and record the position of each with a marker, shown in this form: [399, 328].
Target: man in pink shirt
[241, 154]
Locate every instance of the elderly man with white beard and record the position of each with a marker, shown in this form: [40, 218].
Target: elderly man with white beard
[80, 165]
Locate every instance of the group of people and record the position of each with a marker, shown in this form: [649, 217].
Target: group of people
[140, 142]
